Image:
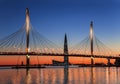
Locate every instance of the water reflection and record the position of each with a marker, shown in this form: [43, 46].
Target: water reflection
[92, 76]
[28, 76]
[108, 75]
[66, 75]
[83, 75]
[47, 76]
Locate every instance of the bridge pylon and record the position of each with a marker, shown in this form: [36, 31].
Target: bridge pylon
[91, 43]
[27, 37]
[66, 59]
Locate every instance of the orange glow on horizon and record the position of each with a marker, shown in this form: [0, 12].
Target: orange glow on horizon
[12, 60]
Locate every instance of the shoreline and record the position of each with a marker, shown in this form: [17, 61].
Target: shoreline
[38, 67]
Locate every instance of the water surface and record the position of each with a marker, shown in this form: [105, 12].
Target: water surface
[82, 75]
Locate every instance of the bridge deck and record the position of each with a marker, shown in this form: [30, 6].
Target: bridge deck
[57, 54]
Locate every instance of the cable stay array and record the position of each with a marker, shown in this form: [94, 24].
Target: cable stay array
[28, 40]
[99, 48]
[16, 42]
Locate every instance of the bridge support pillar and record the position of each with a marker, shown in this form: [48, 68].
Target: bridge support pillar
[27, 60]
[92, 61]
[91, 43]
[108, 62]
[66, 59]
[27, 38]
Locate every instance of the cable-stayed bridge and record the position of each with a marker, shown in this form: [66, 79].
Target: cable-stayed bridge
[27, 41]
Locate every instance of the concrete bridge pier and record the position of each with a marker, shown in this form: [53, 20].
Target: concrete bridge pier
[108, 64]
[92, 61]
[27, 61]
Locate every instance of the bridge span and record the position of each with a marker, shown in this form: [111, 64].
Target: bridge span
[58, 54]
[28, 42]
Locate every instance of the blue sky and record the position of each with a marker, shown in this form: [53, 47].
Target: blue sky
[54, 18]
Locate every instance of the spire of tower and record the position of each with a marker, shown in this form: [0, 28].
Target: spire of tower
[66, 59]
[65, 45]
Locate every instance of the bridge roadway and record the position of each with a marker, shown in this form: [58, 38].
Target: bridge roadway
[57, 54]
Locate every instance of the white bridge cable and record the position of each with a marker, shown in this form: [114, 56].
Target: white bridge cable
[80, 48]
[16, 42]
[99, 48]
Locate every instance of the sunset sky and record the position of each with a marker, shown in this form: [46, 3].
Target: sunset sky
[54, 18]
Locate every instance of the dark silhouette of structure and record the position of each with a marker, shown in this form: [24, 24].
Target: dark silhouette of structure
[117, 62]
[66, 59]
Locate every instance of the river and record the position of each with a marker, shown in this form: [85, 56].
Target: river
[81, 75]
